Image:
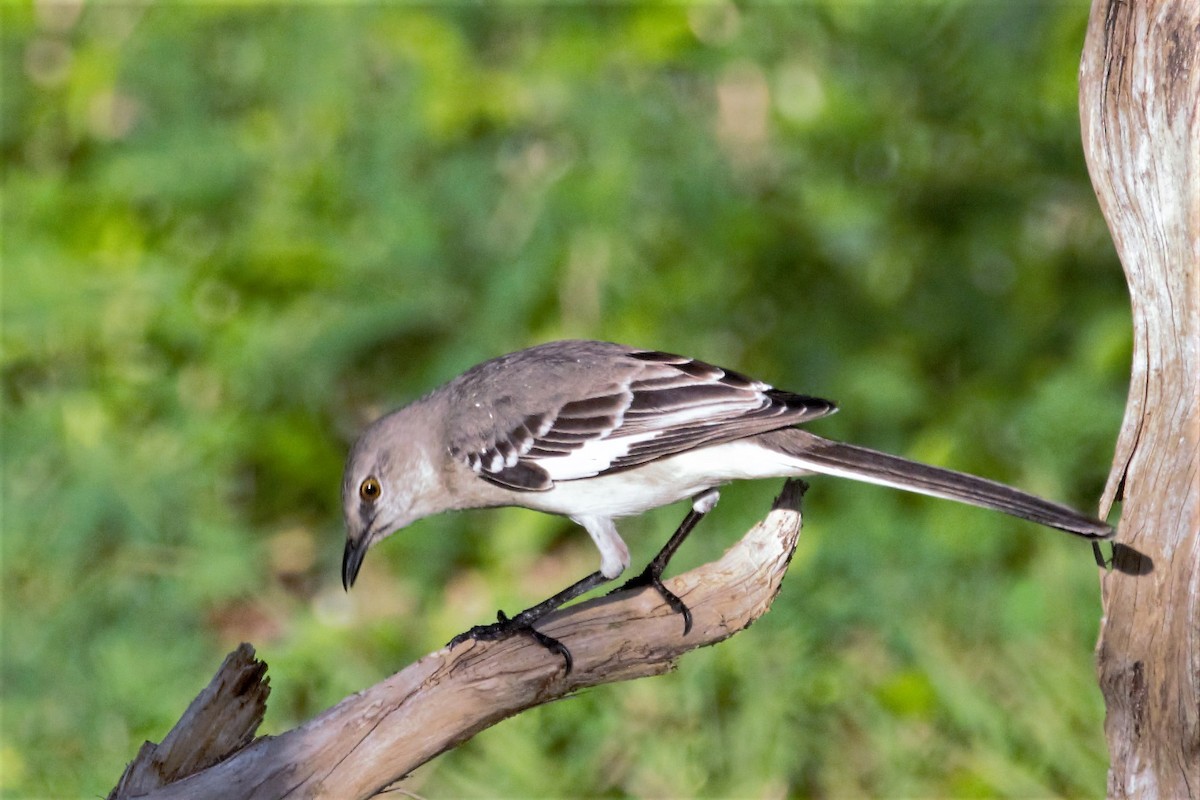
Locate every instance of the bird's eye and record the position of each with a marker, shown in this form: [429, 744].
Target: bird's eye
[369, 490]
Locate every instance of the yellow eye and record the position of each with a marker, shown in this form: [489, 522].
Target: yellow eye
[369, 490]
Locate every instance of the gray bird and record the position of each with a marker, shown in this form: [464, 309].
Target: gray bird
[594, 431]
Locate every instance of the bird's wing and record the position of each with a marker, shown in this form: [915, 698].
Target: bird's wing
[658, 405]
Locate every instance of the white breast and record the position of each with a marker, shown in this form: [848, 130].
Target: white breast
[659, 483]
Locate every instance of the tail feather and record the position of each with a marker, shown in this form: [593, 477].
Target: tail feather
[861, 463]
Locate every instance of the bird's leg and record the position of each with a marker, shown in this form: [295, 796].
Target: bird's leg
[522, 623]
[702, 503]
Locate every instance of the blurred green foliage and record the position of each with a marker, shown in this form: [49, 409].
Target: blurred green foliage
[234, 234]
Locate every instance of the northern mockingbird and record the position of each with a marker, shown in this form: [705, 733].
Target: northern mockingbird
[594, 431]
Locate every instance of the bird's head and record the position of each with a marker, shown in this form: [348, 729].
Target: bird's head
[389, 483]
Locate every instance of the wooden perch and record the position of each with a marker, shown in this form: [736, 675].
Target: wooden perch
[1139, 100]
[374, 738]
[221, 720]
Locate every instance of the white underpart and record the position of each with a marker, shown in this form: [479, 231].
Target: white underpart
[614, 555]
[595, 502]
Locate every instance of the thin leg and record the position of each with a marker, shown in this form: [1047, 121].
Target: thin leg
[652, 574]
[523, 623]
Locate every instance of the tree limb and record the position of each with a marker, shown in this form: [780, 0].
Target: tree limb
[374, 738]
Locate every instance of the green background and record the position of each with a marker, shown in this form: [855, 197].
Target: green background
[232, 235]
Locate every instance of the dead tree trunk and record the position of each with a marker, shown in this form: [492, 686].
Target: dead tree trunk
[1140, 110]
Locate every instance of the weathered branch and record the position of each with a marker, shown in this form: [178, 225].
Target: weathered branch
[1140, 109]
[374, 738]
[221, 720]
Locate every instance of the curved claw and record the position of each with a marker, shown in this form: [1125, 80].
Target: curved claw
[647, 578]
[504, 626]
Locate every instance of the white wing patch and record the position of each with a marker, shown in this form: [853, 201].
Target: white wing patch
[663, 406]
[594, 457]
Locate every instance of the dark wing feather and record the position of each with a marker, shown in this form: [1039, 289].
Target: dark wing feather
[781, 410]
[659, 405]
[524, 476]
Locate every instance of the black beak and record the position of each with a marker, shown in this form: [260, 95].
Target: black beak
[352, 560]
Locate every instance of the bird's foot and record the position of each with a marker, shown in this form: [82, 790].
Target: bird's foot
[522, 623]
[504, 627]
[652, 574]
[649, 578]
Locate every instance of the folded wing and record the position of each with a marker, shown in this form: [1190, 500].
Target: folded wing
[662, 405]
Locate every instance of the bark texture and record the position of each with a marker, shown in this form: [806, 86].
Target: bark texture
[1139, 101]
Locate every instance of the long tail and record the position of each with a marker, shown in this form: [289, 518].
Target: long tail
[862, 463]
